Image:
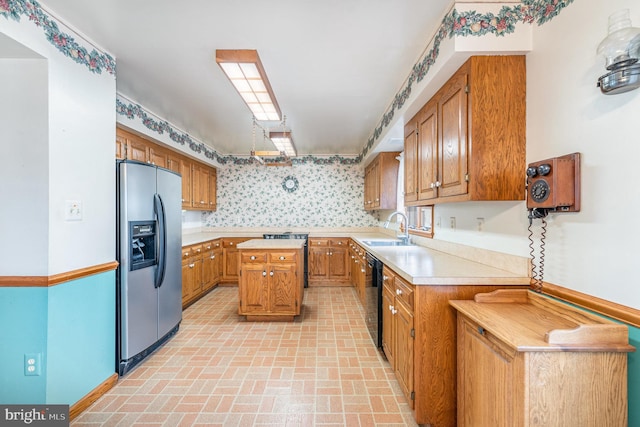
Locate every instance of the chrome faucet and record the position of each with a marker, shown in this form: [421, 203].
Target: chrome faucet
[404, 237]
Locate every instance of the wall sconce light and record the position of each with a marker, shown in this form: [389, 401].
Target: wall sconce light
[621, 50]
[244, 69]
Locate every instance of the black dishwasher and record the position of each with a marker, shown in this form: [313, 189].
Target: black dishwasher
[373, 290]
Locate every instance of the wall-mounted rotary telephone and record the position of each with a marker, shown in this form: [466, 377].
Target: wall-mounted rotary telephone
[553, 185]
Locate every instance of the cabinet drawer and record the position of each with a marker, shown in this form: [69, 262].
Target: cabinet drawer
[231, 243]
[259, 257]
[318, 242]
[339, 242]
[404, 292]
[388, 279]
[282, 256]
[211, 245]
[191, 251]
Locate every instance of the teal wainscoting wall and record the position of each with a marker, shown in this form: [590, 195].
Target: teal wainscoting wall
[634, 377]
[23, 316]
[72, 326]
[81, 330]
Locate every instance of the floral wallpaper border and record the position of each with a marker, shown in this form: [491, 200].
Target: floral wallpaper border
[455, 23]
[95, 61]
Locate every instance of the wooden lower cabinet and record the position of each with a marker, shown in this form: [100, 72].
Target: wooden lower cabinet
[231, 260]
[359, 270]
[398, 330]
[271, 284]
[191, 273]
[527, 360]
[328, 261]
[201, 266]
[419, 341]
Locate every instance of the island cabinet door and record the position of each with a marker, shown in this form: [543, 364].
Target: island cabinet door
[284, 292]
[254, 293]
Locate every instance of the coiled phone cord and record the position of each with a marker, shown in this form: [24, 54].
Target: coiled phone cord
[537, 279]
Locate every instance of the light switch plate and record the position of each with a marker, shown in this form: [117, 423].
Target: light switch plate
[73, 210]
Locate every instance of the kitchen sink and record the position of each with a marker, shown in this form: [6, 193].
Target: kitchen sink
[386, 243]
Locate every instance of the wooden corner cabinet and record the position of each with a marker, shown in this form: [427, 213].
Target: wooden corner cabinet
[468, 142]
[328, 261]
[525, 360]
[381, 182]
[199, 180]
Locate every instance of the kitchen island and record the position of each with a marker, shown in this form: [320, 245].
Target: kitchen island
[271, 283]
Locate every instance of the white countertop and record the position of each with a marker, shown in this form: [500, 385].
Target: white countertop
[416, 264]
[271, 244]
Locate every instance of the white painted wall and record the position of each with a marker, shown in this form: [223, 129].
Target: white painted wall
[593, 251]
[73, 159]
[24, 172]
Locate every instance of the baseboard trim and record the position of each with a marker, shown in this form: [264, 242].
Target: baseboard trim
[610, 309]
[56, 279]
[82, 404]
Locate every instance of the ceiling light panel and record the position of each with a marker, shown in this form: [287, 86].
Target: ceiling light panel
[245, 71]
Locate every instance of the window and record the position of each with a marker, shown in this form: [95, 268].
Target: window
[420, 220]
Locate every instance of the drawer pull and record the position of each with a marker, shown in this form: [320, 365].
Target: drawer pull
[398, 292]
[282, 258]
[213, 257]
[191, 265]
[253, 257]
[271, 273]
[264, 274]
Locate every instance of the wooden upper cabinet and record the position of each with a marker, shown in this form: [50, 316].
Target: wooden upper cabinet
[470, 138]
[199, 181]
[381, 182]
[411, 161]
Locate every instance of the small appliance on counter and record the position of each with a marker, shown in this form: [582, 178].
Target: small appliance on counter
[148, 250]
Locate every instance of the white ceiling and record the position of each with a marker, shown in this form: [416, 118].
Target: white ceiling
[334, 65]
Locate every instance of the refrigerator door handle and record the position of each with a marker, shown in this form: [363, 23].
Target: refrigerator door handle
[158, 208]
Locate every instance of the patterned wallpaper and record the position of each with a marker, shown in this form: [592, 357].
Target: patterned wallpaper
[329, 195]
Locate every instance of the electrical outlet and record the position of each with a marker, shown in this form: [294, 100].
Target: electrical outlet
[453, 222]
[32, 363]
[480, 223]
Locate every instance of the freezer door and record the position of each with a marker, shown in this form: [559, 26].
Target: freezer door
[137, 295]
[170, 289]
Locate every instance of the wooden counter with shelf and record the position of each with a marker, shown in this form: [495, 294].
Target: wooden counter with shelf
[271, 283]
[526, 359]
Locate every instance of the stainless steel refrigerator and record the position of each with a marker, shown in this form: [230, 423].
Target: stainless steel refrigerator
[148, 245]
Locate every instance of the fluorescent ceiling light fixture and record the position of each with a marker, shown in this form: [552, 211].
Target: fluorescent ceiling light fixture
[283, 142]
[244, 69]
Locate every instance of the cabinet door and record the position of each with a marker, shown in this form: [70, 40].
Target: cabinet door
[254, 295]
[404, 349]
[185, 171]
[121, 147]
[191, 278]
[213, 182]
[216, 272]
[338, 264]
[157, 157]
[452, 109]
[411, 161]
[388, 320]
[486, 375]
[137, 150]
[174, 163]
[318, 262]
[282, 288]
[427, 169]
